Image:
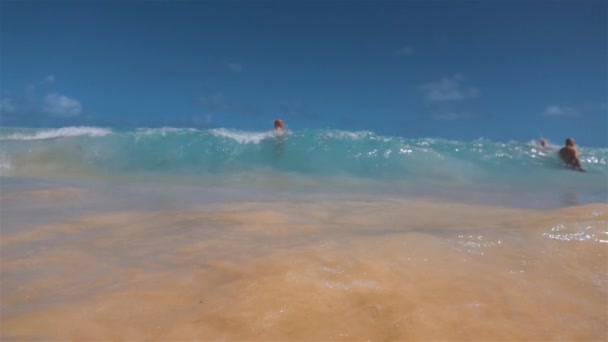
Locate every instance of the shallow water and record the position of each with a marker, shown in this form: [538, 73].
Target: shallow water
[99, 261]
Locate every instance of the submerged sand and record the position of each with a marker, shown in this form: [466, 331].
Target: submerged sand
[325, 268]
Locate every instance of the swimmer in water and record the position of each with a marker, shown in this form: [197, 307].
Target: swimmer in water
[279, 128]
[278, 125]
[569, 155]
[542, 143]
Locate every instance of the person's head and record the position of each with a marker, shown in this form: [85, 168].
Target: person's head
[542, 143]
[278, 125]
[569, 142]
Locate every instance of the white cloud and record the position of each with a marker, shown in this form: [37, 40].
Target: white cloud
[48, 79]
[560, 111]
[453, 88]
[6, 105]
[36, 104]
[405, 51]
[61, 105]
[235, 67]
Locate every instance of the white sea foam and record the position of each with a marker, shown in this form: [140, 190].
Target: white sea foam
[242, 137]
[5, 162]
[59, 133]
[163, 131]
[594, 230]
[355, 135]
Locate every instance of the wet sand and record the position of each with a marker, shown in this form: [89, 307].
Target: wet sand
[307, 268]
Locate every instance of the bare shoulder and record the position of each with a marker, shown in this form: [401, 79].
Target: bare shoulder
[567, 150]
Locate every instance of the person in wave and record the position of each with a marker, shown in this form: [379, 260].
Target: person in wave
[280, 129]
[569, 155]
[278, 125]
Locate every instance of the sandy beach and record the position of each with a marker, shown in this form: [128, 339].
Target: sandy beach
[311, 268]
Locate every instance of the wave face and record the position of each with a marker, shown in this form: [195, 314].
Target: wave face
[191, 153]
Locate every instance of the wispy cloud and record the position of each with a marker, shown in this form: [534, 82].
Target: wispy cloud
[7, 106]
[560, 111]
[235, 67]
[570, 111]
[48, 79]
[61, 105]
[405, 51]
[598, 107]
[32, 104]
[455, 88]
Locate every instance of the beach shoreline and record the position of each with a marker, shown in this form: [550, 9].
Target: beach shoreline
[304, 267]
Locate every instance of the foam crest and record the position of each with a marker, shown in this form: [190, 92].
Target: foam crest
[63, 132]
[163, 131]
[338, 134]
[242, 137]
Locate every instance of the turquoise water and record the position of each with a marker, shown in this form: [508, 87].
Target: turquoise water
[312, 160]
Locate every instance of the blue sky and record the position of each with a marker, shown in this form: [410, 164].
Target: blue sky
[503, 70]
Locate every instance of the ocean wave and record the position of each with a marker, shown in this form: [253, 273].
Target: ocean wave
[326, 153]
[58, 133]
[243, 137]
[355, 135]
[163, 131]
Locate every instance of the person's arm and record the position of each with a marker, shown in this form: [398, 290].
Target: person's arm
[576, 161]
